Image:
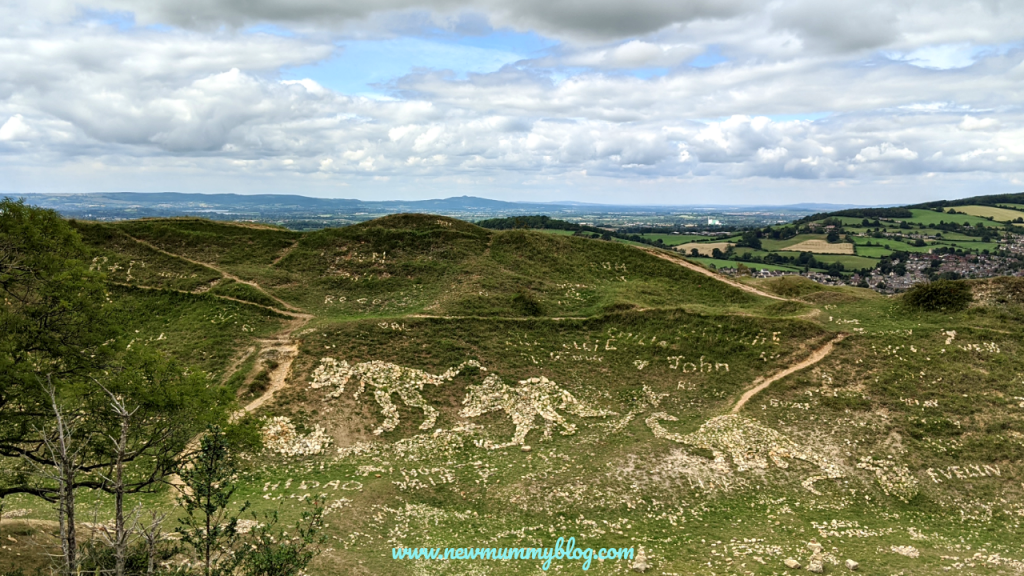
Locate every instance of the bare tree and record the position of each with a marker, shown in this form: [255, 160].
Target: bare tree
[152, 532]
[66, 464]
[122, 453]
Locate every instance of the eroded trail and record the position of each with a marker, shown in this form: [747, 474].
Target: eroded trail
[220, 271]
[283, 348]
[710, 274]
[815, 357]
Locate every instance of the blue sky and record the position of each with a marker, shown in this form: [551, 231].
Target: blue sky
[642, 102]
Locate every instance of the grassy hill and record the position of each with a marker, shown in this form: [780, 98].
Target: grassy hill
[604, 392]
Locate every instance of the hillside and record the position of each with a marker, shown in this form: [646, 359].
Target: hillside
[451, 385]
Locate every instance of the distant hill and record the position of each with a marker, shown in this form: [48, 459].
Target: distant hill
[127, 205]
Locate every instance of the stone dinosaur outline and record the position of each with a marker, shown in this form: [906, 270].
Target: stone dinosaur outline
[749, 444]
[524, 403]
[386, 379]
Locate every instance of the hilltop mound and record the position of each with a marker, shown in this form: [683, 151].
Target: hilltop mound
[442, 266]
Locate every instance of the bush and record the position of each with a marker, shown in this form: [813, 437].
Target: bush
[525, 305]
[943, 295]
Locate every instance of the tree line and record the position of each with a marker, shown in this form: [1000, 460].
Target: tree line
[82, 410]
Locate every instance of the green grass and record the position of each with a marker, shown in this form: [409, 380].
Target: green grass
[735, 263]
[677, 239]
[558, 232]
[198, 329]
[863, 250]
[849, 262]
[220, 243]
[127, 261]
[976, 246]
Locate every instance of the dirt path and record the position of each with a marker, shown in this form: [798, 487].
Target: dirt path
[284, 253]
[710, 274]
[221, 296]
[815, 357]
[223, 273]
[282, 347]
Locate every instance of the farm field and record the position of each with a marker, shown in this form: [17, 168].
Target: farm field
[861, 243]
[821, 247]
[997, 214]
[769, 244]
[926, 217]
[443, 385]
[677, 239]
[735, 263]
[703, 248]
[849, 262]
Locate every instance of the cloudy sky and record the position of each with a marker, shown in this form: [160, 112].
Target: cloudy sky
[624, 101]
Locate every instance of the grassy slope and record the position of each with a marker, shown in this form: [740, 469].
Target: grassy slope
[899, 389]
[927, 217]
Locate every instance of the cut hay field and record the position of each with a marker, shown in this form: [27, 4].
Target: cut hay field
[704, 248]
[769, 244]
[997, 214]
[820, 247]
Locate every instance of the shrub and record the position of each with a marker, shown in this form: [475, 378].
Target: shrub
[525, 305]
[943, 295]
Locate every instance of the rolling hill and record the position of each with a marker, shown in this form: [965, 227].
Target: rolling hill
[475, 387]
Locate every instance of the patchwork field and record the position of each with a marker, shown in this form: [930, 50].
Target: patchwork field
[444, 385]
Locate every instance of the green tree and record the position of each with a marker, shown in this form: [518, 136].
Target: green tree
[267, 552]
[53, 327]
[208, 483]
[750, 239]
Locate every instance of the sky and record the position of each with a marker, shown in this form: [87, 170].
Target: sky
[613, 101]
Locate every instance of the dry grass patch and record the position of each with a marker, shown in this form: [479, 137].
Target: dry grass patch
[821, 247]
[705, 249]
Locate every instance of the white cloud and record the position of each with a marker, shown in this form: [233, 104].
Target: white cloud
[883, 152]
[211, 102]
[15, 128]
[971, 123]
